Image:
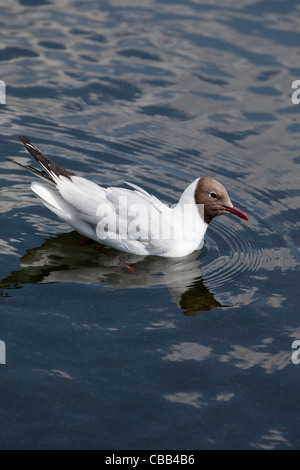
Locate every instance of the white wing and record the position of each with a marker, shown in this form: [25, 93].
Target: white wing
[119, 217]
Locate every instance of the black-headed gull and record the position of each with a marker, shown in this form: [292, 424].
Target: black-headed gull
[131, 220]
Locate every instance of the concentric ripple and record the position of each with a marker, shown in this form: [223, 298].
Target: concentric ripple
[231, 255]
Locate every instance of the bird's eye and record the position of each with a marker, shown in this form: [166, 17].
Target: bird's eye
[213, 194]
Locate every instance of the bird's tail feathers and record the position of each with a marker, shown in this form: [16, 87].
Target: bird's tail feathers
[54, 201]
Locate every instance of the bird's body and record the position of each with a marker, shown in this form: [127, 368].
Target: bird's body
[131, 220]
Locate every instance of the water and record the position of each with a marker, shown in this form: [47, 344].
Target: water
[193, 353]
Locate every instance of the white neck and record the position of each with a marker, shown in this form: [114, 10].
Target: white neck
[188, 195]
[188, 221]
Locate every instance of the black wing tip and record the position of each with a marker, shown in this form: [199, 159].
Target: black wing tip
[28, 145]
[24, 139]
[35, 152]
[48, 165]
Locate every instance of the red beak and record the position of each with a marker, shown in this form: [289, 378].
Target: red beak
[236, 211]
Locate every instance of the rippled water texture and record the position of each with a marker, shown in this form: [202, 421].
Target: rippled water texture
[191, 353]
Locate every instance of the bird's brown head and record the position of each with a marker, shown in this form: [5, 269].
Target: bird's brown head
[215, 198]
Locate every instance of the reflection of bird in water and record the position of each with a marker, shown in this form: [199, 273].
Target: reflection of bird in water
[67, 258]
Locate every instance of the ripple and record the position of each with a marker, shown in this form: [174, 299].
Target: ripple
[231, 137]
[51, 45]
[10, 53]
[168, 111]
[230, 256]
[141, 54]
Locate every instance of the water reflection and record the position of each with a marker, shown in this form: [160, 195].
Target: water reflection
[70, 258]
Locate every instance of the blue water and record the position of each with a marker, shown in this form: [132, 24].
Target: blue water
[193, 353]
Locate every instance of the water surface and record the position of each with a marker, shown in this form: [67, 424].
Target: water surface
[191, 353]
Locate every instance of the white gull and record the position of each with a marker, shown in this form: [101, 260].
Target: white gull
[131, 220]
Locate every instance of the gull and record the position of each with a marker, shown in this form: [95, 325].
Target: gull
[130, 219]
